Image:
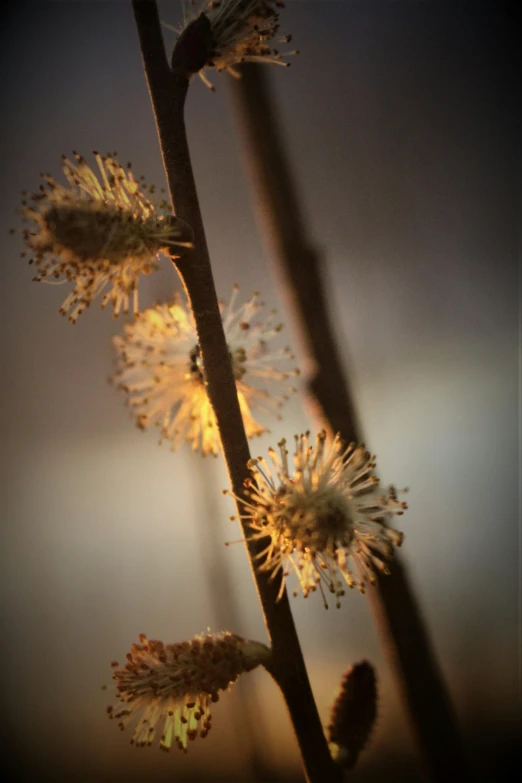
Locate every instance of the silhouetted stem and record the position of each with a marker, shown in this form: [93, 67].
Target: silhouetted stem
[297, 265]
[247, 721]
[168, 90]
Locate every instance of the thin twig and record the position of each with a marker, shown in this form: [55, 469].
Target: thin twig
[297, 265]
[168, 90]
[224, 601]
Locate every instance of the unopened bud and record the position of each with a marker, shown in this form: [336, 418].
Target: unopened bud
[353, 714]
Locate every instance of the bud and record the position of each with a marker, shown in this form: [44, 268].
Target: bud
[169, 688]
[194, 46]
[99, 232]
[353, 714]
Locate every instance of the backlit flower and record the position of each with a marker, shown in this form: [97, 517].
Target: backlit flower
[160, 368]
[322, 514]
[101, 231]
[237, 31]
[166, 690]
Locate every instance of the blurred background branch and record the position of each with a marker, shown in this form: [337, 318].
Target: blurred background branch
[299, 267]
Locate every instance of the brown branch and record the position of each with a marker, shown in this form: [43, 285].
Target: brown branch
[168, 90]
[396, 610]
[246, 719]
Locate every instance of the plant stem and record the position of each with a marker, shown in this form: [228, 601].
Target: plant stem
[168, 92]
[246, 719]
[297, 265]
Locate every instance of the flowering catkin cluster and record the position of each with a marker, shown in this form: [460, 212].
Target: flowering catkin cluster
[100, 231]
[239, 31]
[321, 516]
[167, 689]
[161, 370]
[318, 518]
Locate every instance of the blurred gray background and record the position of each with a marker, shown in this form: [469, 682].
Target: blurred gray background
[400, 119]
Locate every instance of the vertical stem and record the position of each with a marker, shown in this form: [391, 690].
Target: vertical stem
[247, 722]
[395, 608]
[168, 91]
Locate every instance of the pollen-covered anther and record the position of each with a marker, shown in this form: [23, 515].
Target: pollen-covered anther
[160, 368]
[223, 34]
[323, 518]
[168, 689]
[100, 232]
